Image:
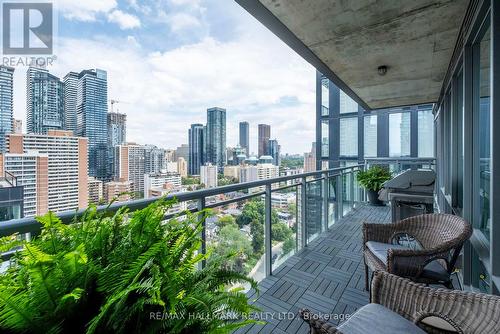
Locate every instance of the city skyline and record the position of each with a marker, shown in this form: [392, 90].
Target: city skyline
[167, 77]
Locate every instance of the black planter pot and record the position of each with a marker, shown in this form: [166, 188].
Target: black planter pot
[373, 197]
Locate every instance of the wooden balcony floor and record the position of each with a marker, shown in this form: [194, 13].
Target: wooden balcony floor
[327, 277]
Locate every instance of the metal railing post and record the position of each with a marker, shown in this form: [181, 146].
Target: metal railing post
[303, 212]
[200, 207]
[268, 247]
[351, 187]
[324, 226]
[340, 195]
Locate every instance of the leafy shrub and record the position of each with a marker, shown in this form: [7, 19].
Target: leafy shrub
[374, 177]
[120, 273]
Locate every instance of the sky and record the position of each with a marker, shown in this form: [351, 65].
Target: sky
[170, 60]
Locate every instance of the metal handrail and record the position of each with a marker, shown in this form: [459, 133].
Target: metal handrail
[406, 160]
[30, 224]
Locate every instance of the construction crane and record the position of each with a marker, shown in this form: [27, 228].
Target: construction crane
[113, 101]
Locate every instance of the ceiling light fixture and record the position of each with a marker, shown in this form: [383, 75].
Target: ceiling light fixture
[382, 70]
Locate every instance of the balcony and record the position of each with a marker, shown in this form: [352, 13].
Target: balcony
[323, 267]
[327, 277]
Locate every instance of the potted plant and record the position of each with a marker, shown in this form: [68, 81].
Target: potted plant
[372, 180]
[120, 273]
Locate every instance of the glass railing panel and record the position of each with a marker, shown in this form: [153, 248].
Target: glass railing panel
[332, 200]
[283, 225]
[238, 228]
[357, 195]
[314, 209]
[347, 192]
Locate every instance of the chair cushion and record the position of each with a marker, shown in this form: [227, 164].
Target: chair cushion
[379, 249]
[374, 319]
[433, 270]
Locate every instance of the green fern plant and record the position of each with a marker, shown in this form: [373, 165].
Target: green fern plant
[374, 177]
[120, 273]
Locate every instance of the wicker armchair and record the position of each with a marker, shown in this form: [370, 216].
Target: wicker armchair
[422, 248]
[399, 305]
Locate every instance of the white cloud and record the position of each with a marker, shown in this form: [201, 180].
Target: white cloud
[84, 10]
[191, 3]
[182, 21]
[167, 91]
[124, 20]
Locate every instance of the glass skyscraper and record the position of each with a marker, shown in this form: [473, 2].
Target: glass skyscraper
[216, 137]
[70, 96]
[274, 151]
[44, 101]
[245, 137]
[6, 103]
[91, 118]
[264, 136]
[196, 148]
[117, 135]
[154, 159]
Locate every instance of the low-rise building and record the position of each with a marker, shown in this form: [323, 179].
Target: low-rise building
[96, 190]
[120, 191]
[182, 167]
[281, 201]
[232, 171]
[159, 180]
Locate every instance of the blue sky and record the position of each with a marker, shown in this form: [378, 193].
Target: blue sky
[169, 60]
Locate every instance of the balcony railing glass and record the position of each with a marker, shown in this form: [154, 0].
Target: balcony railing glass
[264, 221]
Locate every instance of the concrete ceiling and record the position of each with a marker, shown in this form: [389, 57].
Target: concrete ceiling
[413, 38]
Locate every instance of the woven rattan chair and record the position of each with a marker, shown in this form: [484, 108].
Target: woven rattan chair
[399, 305]
[422, 248]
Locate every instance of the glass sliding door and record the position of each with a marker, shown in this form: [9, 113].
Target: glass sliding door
[370, 136]
[399, 134]
[482, 126]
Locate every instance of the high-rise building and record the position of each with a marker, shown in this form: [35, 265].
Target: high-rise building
[44, 101]
[52, 168]
[117, 135]
[130, 165]
[264, 136]
[182, 152]
[96, 190]
[182, 167]
[70, 100]
[158, 180]
[310, 159]
[196, 148]
[154, 159]
[245, 137]
[274, 150]
[216, 137]
[30, 170]
[208, 175]
[17, 126]
[6, 103]
[91, 120]
[118, 191]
